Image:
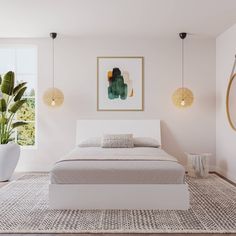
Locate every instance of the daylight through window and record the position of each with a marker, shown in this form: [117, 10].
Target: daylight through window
[23, 61]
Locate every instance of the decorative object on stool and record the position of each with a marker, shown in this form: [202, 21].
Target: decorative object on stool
[198, 164]
[10, 102]
[231, 98]
[182, 97]
[53, 97]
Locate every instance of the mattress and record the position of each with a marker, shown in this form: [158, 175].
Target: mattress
[95, 165]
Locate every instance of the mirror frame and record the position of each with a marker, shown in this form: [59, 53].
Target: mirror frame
[227, 101]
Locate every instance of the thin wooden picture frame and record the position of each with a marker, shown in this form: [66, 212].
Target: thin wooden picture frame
[142, 83]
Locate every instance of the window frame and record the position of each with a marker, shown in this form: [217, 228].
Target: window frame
[27, 46]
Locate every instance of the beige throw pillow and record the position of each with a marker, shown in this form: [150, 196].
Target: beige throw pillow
[117, 141]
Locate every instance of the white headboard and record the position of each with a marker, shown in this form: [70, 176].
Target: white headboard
[96, 128]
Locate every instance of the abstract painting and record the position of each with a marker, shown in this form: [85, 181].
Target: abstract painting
[120, 83]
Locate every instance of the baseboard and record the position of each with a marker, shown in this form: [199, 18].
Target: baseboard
[225, 175]
[221, 173]
[212, 168]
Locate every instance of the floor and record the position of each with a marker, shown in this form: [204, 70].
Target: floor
[19, 174]
[15, 176]
[117, 234]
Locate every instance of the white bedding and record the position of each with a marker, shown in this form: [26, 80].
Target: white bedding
[95, 165]
[137, 153]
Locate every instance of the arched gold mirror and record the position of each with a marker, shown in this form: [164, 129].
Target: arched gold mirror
[231, 102]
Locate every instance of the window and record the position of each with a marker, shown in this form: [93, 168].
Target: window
[23, 61]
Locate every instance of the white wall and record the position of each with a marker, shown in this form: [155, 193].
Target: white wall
[225, 135]
[182, 130]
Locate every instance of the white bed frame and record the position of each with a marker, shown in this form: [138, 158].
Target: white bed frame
[118, 196]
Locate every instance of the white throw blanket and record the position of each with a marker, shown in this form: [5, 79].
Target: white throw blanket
[118, 154]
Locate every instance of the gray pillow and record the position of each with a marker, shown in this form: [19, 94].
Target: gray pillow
[146, 142]
[117, 141]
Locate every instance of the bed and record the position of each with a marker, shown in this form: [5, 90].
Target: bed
[123, 178]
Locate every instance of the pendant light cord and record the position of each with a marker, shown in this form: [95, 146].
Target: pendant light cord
[53, 63]
[182, 64]
[53, 83]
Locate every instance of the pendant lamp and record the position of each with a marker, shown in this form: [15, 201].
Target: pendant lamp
[182, 97]
[53, 96]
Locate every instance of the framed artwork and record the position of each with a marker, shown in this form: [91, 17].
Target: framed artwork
[120, 84]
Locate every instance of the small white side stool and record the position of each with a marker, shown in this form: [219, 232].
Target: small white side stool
[198, 164]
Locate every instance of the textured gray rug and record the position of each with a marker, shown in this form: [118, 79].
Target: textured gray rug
[24, 209]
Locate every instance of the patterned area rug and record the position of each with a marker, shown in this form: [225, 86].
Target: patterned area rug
[24, 209]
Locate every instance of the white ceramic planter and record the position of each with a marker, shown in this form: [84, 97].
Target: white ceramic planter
[9, 156]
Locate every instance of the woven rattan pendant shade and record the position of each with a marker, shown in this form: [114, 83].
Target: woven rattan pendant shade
[53, 97]
[182, 97]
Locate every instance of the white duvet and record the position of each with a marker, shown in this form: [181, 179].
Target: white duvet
[137, 153]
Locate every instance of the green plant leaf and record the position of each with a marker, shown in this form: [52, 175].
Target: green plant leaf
[0, 79]
[3, 105]
[20, 94]
[8, 83]
[14, 108]
[18, 87]
[3, 120]
[4, 141]
[18, 123]
[7, 140]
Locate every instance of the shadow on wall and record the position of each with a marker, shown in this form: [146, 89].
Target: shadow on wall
[170, 144]
[207, 102]
[220, 100]
[223, 166]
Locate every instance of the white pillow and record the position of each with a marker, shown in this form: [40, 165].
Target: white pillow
[117, 141]
[137, 142]
[146, 142]
[91, 142]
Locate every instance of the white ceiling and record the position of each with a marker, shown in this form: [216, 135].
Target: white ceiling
[115, 18]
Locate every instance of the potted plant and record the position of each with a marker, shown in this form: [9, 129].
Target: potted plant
[10, 102]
